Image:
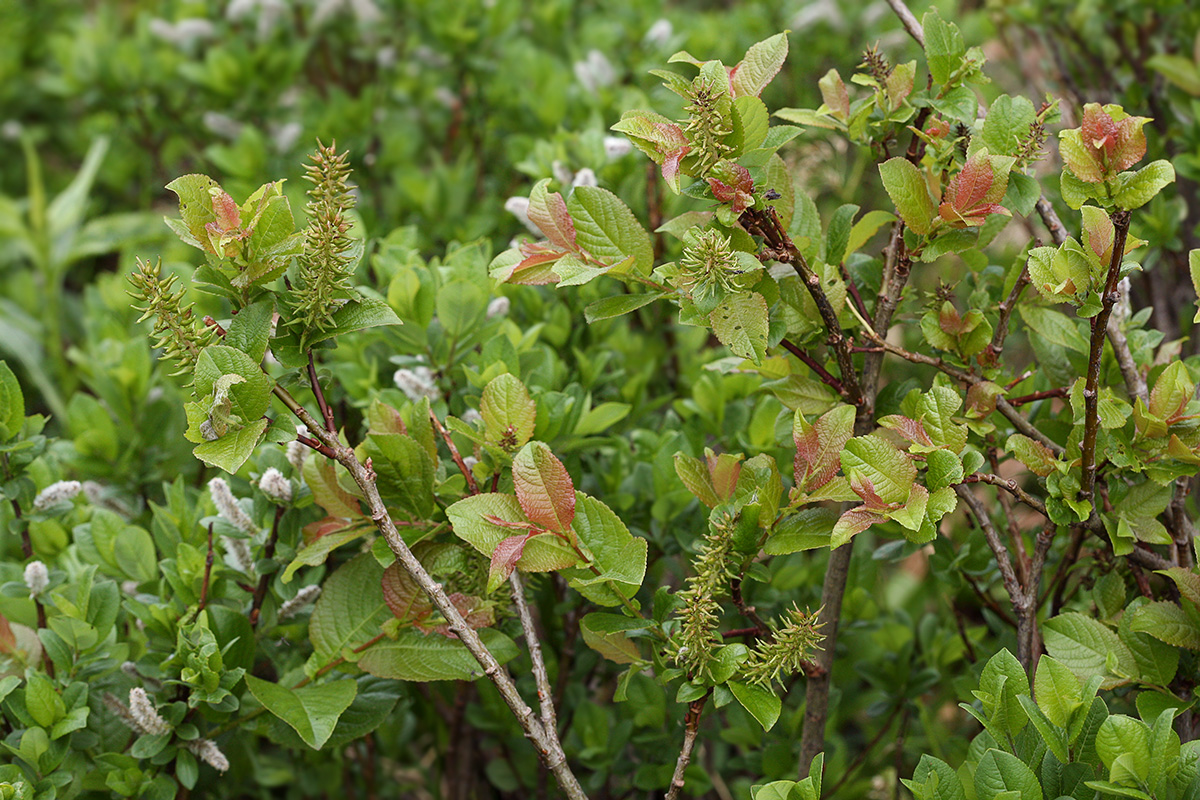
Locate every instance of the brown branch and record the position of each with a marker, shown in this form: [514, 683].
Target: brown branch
[747, 611]
[996, 346]
[1091, 389]
[1022, 602]
[766, 223]
[816, 367]
[1043, 395]
[472, 486]
[691, 727]
[1058, 232]
[326, 411]
[1011, 487]
[545, 694]
[909, 21]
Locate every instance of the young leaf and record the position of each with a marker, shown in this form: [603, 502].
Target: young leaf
[999, 772]
[1144, 184]
[544, 489]
[906, 186]
[944, 46]
[890, 471]
[548, 211]
[608, 635]
[607, 230]
[415, 656]
[508, 413]
[819, 445]
[762, 63]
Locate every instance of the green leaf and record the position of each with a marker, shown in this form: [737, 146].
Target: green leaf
[405, 471]
[1169, 623]
[1033, 454]
[762, 703]
[999, 772]
[1179, 70]
[43, 701]
[1057, 690]
[1007, 124]
[618, 556]
[1055, 738]
[944, 469]
[607, 229]
[1156, 661]
[944, 48]
[195, 207]
[760, 64]
[1141, 187]
[312, 711]
[548, 211]
[616, 306]
[938, 407]
[601, 418]
[1120, 735]
[317, 551]
[12, 404]
[544, 489]
[890, 471]
[357, 315]
[461, 307]
[416, 656]
[906, 186]
[508, 413]
[1054, 327]
[1084, 645]
[607, 634]
[740, 323]
[934, 779]
[234, 448]
[249, 398]
[351, 609]
[807, 529]
[251, 329]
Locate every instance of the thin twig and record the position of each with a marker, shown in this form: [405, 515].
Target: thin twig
[1058, 232]
[545, 694]
[1091, 389]
[326, 411]
[472, 486]
[1021, 600]
[779, 245]
[1135, 384]
[691, 727]
[996, 347]
[1043, 395]
[1011, 487]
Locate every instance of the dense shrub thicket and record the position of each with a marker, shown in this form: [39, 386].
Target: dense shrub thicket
[621, 398]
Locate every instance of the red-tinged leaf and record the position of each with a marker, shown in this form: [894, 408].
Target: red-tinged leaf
[1098, 128]
[504, 560]
[969, 188]
[818, 446]
[323, 527]
[535, 269]
[548, 211]
[321, 478]
[725, 469]
[503, 523]
[852, 523]
[474, 610]
[863, 487]
[1098, 233]
[670, 167]
[544, 489]
[949, 319]
[981, 399]
[229, 216]
[1130, 144]
[403, 596]
[8, 639]
[911, 429]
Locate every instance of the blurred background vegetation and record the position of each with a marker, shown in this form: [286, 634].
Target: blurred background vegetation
[448, 110]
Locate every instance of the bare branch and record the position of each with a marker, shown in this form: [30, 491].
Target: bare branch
[545, 693]
[908, 20]
[691, 727]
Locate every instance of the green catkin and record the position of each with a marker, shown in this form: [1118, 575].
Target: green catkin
[707, 126]
[693, 647]
[786, 651]
[176, 329]
[324, 271]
